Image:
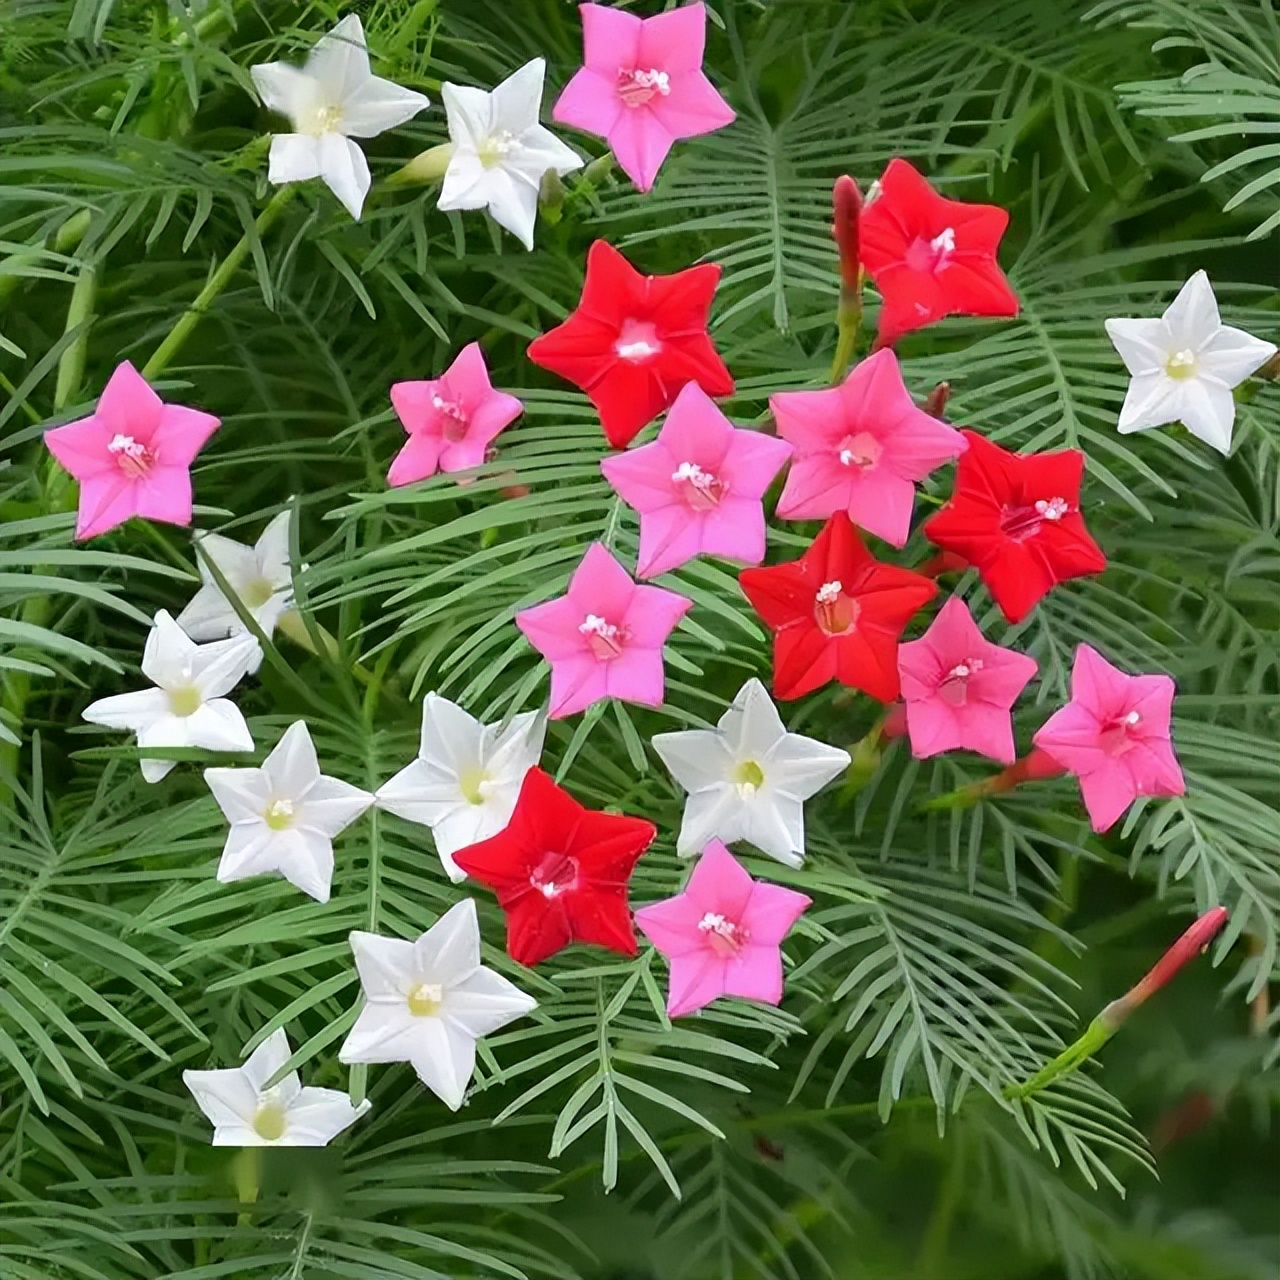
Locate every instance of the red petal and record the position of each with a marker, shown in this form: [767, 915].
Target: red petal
[804, 659]
[779, 594]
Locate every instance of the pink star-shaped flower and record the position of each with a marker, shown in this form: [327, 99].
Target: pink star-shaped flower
[860, 448]
[698, 486]
[642, 86]
[958, 687]
[1114, 736]
[451, 420]
[132, 455]
[604, 636]
[722, 934]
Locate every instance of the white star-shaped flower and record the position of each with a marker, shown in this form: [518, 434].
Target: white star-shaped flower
[331, 100]
[466, 779]
[284, 815]
[246, 1113]
[501, 151]
[427, 1002]
[748, 778]
[259, 575]
[186, 708]
[1184, 366]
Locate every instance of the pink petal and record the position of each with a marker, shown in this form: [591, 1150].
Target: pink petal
[812, 421]
[720, 883]
[590, 102]
[1107, 793]
[672, 925]
[610, 38]
[1098, 685]
[552, 628]
[601, 585]
[412, 403]
[1152, 698]
[696, 980]
[640, 145]
[181, 434]
[881, 503]
[576, 682]
[735, 530]
[669, 538]
[986, 729]
[165, 495]
[756, 974]
[635, 675]
[696, 431]
[932, 728]
[817, 486]
[642, 477]
[462, 455]
[466, 380]
[693, 106]
[81, 447]
[416, 461]
[918, 444]
[653, 614]
[107, 499]
[1155, 769]
[128, 406]
[771, 912]
[672, 41]
[1004, 675]
[495, 414]
[752, 462]
[1072, 737]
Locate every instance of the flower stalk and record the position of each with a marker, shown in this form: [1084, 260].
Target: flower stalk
[1036, 765]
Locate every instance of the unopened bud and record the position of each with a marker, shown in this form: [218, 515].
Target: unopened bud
[936, 404]
[426, 166]
[846, 204]
[551, 196]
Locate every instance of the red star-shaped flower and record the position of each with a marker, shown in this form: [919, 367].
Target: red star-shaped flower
[836, 614]
[1016, 518]
[560, 871]
[929, 256]
[635, 340]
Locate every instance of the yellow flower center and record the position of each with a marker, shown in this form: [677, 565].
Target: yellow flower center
[1180, 365]
[749, 776]
[257, 593]
[185, 700]
[471, 783]
[270, 1122]
[280, 815]
[425, 999]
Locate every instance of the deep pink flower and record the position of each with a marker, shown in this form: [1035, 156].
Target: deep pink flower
[642, 86]
[698, 486]
[604, 636]
[958, 687]
[860, 447]
[132, 455]
[451, 420]
[722, 934]
[1114, 736]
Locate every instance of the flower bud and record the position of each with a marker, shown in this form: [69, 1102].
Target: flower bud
[936, 404]
[426, 166]
[846, 202]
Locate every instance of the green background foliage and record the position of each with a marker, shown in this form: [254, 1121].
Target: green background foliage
[858, 1132]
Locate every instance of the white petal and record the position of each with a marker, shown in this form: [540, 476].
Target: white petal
[345, 171]
[384, 1033]
[339, 62]
[451, 737]
[154, 771]
[294, 157]
[208, 616]
[379, 105]
[714, 812]
[444, 1059]
[303, 858]
[751, 727]
[418, 794]
[387, 966]
[285, 89]
[219, 726]
[169, 655]
[1153, 399]
[236, 562]
[316, 1116]
[1141, 343]
[467, 826]
[220, 665]
[267, 1059]
[1231, 355]
[250, 850]
[485, 1001]
[775, 824]
[166, 731]
[331, 805]
[1192, 317]
[517, 101]
[466, 184]
[541, 150]
[242, 794]
[239, 1135]
[1208, 410]
[513, 203]
[695, 758]
[469, 113]
[292, 766]
[272, 551]
[518, 747]
[129, 710]
[800, 766]
[226, 1097]
[450, 950]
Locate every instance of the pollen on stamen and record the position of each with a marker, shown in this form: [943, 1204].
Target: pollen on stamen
[1052, 509]
[829, 592]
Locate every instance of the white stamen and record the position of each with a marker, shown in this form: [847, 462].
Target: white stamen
[128, 446]
[829, 592]
[1053, 509]
[944, 243]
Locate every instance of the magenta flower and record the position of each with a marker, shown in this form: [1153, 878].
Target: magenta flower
[132, 455]
[604, 636]
[860, 448]
[698, 486]
[722, 934]
[958, 687]
[1114, 736]
[642, 87]
[451, 420]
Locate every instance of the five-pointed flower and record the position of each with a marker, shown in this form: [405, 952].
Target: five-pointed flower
[722, 934]
[642, 87]
[1016, 518]
[259, 576]
[836, 614]
[465, 781]
[635, 340]
[1114, 736]
[451, 420]
[187, 707]
[284, 815]
[501, 151]
[929, 256]
[132, 455]
[748, 778]
[604, 636]
[427, 1002]
[958, 687]
[331, 100]
[560, 871]
[860, 447]
[247, 1113]
[698, 487]
[1183, 366]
